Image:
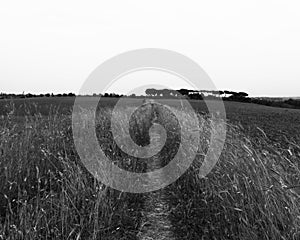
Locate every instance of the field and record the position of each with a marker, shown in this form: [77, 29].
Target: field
[47, 193]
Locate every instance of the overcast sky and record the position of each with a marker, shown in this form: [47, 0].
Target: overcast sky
[53, 46]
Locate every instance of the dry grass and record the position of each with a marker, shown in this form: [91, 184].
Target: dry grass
[45, 192]
[250, 194]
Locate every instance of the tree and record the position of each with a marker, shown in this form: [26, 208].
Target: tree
[166, 92]
[242, 94]
[158, 92]
[226, 92]
[184, 92]
[239, 96]
[150, 92]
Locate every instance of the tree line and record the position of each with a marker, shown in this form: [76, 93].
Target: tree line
[164, 93]
[30, 95]
[225, 95]
[197, 94]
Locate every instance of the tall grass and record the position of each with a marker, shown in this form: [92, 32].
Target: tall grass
[46, 193]
[250, 194]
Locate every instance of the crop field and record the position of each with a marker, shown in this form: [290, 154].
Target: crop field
[46, 192]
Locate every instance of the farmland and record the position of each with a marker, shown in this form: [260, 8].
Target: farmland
[277, 122]
[46, 192]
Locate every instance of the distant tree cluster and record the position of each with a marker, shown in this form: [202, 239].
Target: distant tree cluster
[197, 94]
[30, 95]
[114, 95]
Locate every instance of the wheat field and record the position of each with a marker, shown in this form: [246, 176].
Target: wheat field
[46, 192]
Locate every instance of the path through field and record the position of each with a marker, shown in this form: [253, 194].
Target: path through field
[156, 223]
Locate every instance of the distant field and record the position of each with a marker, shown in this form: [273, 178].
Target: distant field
[276, 122]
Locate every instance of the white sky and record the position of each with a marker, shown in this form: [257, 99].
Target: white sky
[53, 46]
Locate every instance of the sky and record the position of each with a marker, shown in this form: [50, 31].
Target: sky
[53, 46]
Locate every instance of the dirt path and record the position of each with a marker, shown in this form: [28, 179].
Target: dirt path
[156, 224]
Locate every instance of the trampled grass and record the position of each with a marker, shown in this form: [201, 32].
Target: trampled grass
[46, 193]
